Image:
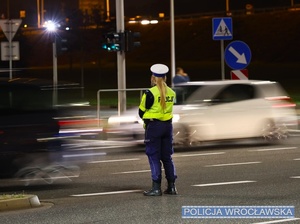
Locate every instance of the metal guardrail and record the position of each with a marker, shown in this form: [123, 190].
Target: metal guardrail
[114, 90]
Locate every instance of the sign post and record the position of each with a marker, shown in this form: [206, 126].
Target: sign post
[222, 30]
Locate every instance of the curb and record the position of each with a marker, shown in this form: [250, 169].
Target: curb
[27, 201]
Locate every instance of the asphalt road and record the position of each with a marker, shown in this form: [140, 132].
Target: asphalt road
[109, 188]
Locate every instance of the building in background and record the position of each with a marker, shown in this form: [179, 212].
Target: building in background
[94, 11]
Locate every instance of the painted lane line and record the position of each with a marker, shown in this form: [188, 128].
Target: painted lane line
[85, 154]
[297, 159]
[272, 149]
[96, 147]
[295, 177]
[105, 193]
[224, 183]
[200, 154]
[277, 221]
[114, 160]
[136, 171]
[233, 164]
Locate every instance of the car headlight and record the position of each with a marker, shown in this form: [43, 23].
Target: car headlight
[122, 120]
[176, 117]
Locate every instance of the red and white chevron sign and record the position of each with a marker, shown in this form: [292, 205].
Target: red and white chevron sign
[239, 74]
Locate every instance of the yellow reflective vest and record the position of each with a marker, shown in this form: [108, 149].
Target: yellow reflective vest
[156, 111]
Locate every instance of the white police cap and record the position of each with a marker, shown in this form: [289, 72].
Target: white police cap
[159, 70]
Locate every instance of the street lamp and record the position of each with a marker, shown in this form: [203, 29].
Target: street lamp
[52, 27]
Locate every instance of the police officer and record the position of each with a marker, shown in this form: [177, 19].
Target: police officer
[156, 110]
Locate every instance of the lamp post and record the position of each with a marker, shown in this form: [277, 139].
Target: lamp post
[172, 41]
[227, 8]
[292, 3]
[107, 11]
[54, 72]
[51, 27]
[40, 12]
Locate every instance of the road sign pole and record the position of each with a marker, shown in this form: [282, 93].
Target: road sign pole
[222, 60]
[10, 48]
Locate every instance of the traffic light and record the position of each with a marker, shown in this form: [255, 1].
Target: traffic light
[130, 37]
[61, 45]
[113, 42]
[120, 41]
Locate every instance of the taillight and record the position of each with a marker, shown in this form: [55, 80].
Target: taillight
[84, 122]
[281, 101]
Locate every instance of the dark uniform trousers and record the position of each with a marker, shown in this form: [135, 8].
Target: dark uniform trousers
[159, 148]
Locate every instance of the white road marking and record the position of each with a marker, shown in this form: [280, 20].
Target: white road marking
[138, 171]
[224, 183]
[85, 154]
[233, 164]
[297, 159]
[277, 221]
[97, 147]
[272, 149]
[95, 144]
[105, 193]
[114, 160]
[295, 177]
[200, 154]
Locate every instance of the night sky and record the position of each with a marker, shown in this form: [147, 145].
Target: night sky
[145, 7]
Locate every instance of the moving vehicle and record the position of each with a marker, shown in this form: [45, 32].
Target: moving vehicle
[29, 128]
[220, 110]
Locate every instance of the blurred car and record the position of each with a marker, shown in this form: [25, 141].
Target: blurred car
[29, 128]
[219, 110]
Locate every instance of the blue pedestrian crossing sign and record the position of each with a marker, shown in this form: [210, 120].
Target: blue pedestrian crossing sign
[237, 55]
[222, 28]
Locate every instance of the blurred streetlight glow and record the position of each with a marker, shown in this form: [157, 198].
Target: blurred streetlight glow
[154, 21]
[145, 22]
[50, 26]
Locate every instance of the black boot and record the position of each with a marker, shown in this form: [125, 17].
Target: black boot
[154, 191]
[171, 188]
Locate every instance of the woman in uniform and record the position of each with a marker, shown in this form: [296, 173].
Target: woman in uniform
[156, 110]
